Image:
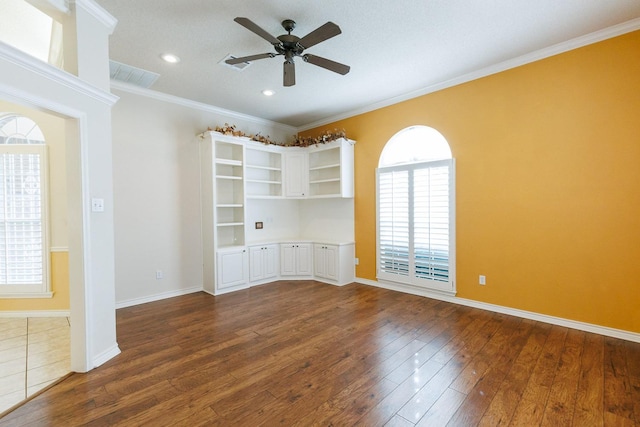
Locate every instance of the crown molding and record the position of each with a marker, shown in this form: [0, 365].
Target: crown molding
[98, 12]
[56, 75]
[578, 42]
[183, 102]
[54, 8]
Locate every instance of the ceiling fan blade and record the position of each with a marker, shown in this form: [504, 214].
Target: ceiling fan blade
[289, 78]
[320, 34]
[330, 65]
[250, 58]
[252, 26]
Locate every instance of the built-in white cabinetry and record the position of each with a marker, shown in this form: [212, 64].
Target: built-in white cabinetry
[223, 213]
[296, 259]
[334, 263]
[232, 268]
[228, 194]
[263, 168]
[331, 169]
[263, 262]
[319, 171]
[296, 164]
[234, 170]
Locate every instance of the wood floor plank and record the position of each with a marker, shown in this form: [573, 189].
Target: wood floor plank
[303, 353]
[443, 409]
[498, 355]
[534, 397]
[504, 403]
[562, 396]
[589, 409]
[618, 399]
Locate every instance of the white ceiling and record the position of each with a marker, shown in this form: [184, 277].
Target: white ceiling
[394, 48]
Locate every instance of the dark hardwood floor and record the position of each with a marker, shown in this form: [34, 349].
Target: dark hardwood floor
[306, 353]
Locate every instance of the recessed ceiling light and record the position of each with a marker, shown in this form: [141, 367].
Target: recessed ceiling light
[268, 92]
[170, 58]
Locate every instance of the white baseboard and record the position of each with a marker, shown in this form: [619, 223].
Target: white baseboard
[568, 323]
[157, 297]
[35, 313]
[105, 356]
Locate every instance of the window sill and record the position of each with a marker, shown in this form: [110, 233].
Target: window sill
[27, 295]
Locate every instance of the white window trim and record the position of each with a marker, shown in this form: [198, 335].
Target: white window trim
[449, 287]
[42, 290]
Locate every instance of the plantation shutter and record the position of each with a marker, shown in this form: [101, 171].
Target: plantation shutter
[394, 222]
[431, 223]
[415, 207]
[22, 219]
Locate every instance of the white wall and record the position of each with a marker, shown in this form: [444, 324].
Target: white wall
[280, 219]
[156, 190]
[327, 220]
[27, 81]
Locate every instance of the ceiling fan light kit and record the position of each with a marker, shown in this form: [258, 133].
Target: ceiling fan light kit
[291, 46]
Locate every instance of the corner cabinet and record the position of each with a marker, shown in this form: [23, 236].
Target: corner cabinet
[234, 170]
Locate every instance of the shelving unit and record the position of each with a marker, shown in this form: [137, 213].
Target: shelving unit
[331, 170]
[235, 170]
[263, 168]
[229, 194]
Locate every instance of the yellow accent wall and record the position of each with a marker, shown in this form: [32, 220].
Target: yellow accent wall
[548, 182]
[54, 130]
[59, 286]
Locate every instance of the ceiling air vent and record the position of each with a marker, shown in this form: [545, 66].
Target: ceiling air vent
[238, 67]
[132, 75]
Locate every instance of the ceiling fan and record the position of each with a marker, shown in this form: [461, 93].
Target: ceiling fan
[291, 46]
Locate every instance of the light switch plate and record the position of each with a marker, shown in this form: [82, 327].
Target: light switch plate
[97, 205]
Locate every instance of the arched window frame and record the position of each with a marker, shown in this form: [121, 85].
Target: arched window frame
[24, 236]
[411, 225]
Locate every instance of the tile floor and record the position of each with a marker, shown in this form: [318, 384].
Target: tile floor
[34, 352]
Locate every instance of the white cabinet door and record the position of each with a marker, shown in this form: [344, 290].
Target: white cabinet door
[304, 259]
[296, 172]
[256, 263]
[287, 259]
[263, 262]
[326, 262]
[270, 261]
[319, 264]
[233, 268]
[296, 259]
[331, 262]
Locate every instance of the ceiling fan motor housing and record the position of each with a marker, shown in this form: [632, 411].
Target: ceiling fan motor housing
[288, 25]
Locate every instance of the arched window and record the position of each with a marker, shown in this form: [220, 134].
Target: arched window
[416, 210]
[23, 200]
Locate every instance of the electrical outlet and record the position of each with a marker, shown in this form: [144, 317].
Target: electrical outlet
[357, 261]
[482, 280]
[159, 275]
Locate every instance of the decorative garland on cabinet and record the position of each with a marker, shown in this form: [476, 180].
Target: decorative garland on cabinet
[299, 141]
